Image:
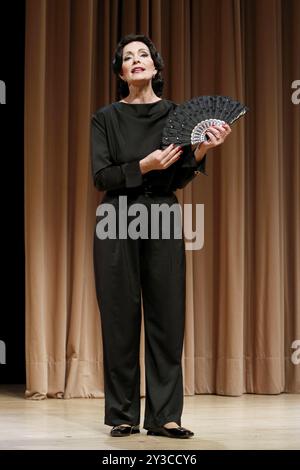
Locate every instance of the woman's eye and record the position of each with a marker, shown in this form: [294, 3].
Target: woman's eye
[143, 55]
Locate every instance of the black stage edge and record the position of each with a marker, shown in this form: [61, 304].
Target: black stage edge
[12, 321]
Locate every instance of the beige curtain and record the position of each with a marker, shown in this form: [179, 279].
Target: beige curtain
[243, 301]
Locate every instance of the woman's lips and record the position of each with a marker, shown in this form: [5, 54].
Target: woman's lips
[138, 70]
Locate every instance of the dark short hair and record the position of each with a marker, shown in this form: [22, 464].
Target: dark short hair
[157, 80]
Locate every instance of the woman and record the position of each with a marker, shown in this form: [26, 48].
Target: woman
[127, 161]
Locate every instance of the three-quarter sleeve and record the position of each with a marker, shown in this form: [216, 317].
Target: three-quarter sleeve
[107, 174]
[187, 168]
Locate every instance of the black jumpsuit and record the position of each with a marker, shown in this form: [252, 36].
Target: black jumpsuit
[128, 269]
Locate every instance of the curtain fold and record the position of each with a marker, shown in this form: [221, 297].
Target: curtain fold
[243, 301]
[264, 350]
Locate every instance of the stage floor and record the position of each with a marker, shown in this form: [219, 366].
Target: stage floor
[246, 422]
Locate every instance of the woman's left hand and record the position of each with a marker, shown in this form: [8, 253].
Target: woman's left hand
[217, 135]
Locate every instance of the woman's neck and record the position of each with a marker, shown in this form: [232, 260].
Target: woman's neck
[138, 95]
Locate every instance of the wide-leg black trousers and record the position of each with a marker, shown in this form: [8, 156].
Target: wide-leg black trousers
[125, 271]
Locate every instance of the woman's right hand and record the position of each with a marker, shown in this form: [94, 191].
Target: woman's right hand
[160, 159]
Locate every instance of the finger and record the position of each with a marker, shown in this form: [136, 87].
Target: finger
[170, 154]
[219, 128]
[215, 132]
[222, 133]
[172, 160]
[170, 146]
[167, 150]
[212, 138]
[227, 129]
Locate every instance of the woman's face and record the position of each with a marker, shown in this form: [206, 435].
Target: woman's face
[137, 65]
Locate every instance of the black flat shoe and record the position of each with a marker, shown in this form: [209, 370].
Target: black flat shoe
[121, 430]
[179, 433]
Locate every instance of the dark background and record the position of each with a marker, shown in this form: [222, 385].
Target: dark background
[12, 320]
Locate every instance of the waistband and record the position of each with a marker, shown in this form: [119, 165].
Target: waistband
[141, 190]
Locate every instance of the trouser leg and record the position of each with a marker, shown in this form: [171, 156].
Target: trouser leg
[163, 293]
[117, 279]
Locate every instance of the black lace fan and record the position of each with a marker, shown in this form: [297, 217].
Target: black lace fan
[188, 122]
